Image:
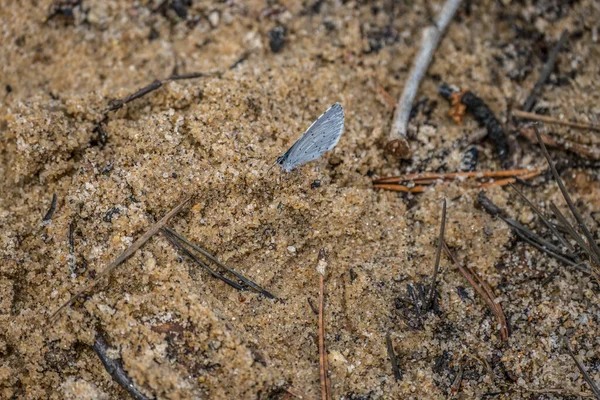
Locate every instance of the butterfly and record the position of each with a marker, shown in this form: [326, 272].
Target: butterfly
[320, 137]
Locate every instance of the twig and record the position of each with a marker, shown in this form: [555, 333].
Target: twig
[483, 290]
[595, 253]
[545, 220]
[583, 371]
[191, 255]
[455, 175]
[437, 257]
[324, 369]
[117, 104]
[115, 369]
[386, 96]
[399, 188]
[398, 144]
[393, 359]
[457, 381]
[51, 210]
[199, 249]
[123, 256]
[582, 150]
[546, 71]
[556, 121]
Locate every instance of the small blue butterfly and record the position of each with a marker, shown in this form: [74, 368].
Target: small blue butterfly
[320, 137]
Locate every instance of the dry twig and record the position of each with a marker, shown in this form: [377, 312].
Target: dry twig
[583, 371]
[546, 71]
[483, 289]
[544, 118]
[393, 359]
[590, 152]
[124, 256]
[398, 144]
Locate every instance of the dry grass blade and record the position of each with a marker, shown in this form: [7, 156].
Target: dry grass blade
[323, 362]
[393, 359]
[124, 256]
[437, 257]
[583, 371]
[191, 255]
[545, 220]
[550, 120]
[483, 290]
[569, 228]
[595, 251]
[205, 253]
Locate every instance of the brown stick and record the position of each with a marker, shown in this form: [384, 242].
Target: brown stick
[484, 291]
[592, 153]
[124, 256]
[555, 121]
[399, 188]
[455, 175]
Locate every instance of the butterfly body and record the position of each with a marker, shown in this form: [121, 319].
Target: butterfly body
[320, 137]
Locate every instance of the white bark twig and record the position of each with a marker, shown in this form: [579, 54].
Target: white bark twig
[432, 36]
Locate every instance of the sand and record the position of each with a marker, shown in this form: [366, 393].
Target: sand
[180, 333]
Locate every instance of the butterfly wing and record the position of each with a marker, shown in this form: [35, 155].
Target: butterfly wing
[320, 137]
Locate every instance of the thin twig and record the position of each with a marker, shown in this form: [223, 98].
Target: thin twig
[199, 249]
[399, 188]
[544, 118]
[483, 290]
[398, 144]
[173, 240]
[546, 71]
[51, 210]
[123, 256]
[455, 175]
[393, 359]
[583, 371]
[437, 257]
[595, 253]
[115, 369]
[582, 150]
[324, 368]
[545, 220]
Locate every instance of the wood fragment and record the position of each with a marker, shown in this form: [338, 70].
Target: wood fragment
[545, 73]
[482, 288]
[393, 359]
[437, 258]
[123, 256]
[51, 210]
[583, 371]
[115, 369]
[398, 141]
[544, 118]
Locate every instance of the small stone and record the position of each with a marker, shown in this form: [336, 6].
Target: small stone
[213, 18]
[277, 38]
[291, 249]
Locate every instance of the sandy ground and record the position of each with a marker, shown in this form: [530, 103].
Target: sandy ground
[180, 333]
